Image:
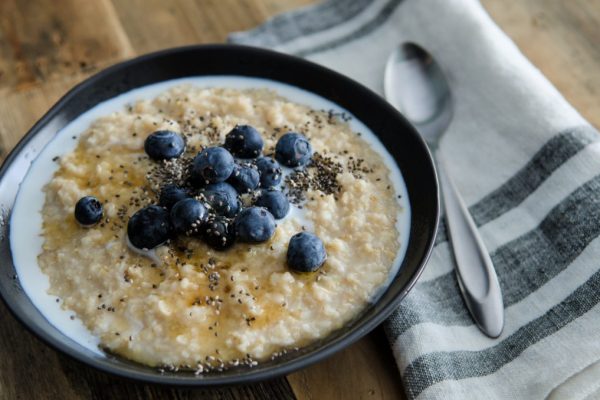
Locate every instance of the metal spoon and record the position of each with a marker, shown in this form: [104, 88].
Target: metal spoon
[416, 86]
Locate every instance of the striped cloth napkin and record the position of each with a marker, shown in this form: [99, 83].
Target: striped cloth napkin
[529, 167]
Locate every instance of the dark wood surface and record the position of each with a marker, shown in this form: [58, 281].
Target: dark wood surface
[48, 46]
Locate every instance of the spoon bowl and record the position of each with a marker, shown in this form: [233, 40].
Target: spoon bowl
[415, 84]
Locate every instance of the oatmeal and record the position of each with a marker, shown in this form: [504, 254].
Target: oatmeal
[186, 303]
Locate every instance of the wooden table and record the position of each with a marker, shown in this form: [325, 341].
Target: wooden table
[47, 46]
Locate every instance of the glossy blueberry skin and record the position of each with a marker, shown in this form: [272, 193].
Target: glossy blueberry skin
[213, 165]
[270, 172]
[164, 145]
[188, 215]
[219, 232]
[254, 225]
[293, 150]
[244, 141]
[88, 211]
[222, 198]
[149, 227]
[244, 178]
[171, 194]
[306, 252]
[275, 201]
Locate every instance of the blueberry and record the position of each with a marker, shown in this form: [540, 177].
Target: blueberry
[213, 165]
[244, 178]
[222, 198]
[254, 225]
[274, 201]
[164, 145]
[219, 232]
[293, 150]
[171, 194]
[244, 141]
[88, 211]
[270, 172]
[306, 252]
[149, 227]
[188, 215]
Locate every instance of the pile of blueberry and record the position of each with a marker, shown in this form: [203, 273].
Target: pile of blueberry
[210, 207]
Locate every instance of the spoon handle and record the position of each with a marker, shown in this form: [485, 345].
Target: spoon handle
[477, 278]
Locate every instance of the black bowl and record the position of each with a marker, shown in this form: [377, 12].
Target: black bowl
[398, 136]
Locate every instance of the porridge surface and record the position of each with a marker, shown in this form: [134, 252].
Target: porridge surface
[198, 306]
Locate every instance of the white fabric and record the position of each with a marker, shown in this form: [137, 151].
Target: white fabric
[529, 167]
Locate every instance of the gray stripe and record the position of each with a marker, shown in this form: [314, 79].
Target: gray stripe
[523, 265]
[439, 366]
[442, 232]
[306, 21]
[548, 159]
[365, 29]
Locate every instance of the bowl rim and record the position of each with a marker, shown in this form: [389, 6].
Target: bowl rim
[289, 366]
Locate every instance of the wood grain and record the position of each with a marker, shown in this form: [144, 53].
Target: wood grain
[562, 38]
[40, 42]
[47, 46]
[184, 22]
[366, 370]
